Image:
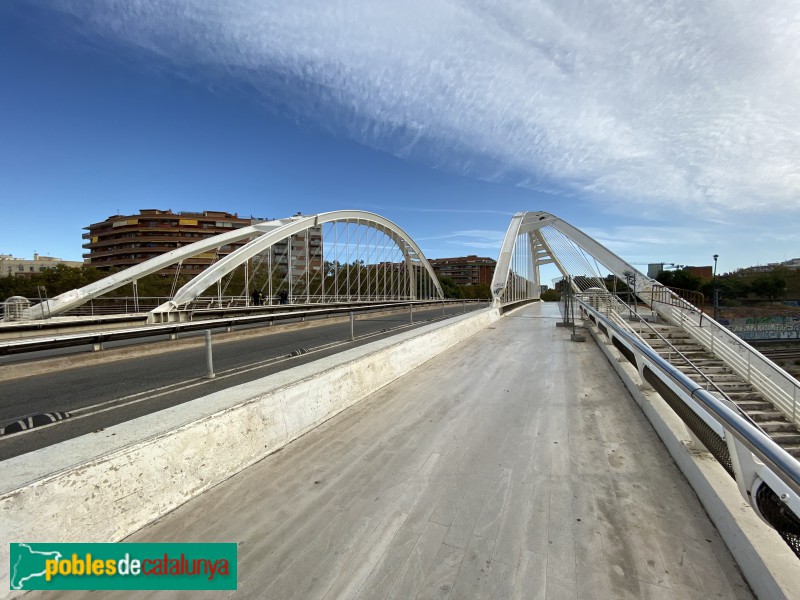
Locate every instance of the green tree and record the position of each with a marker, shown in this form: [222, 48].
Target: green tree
[450, 288]
[770, 286]
[479, 291]
[680, 279]
[551, 296]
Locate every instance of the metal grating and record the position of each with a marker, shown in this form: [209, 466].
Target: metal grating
[777, 514]
[715, 444]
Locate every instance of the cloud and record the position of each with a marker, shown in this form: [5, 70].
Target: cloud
[466, 241]
[686, 106]
[465, 211]
[636, 237]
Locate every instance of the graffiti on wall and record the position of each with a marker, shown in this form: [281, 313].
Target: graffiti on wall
[765, 328]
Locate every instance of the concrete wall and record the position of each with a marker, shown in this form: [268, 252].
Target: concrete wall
[768, 564]
[104, 486]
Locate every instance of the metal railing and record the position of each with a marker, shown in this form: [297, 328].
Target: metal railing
[773, 382]
[769, 485]
[97, 338]
[677, 297]
[615, 308]
[618, 307]
[110, 305]
[11, 310]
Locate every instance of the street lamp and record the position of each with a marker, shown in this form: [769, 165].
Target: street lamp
[630, 281]
[715, 290]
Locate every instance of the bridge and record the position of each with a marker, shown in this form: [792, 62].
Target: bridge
[491, 454]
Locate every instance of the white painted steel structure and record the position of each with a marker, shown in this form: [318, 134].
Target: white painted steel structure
[534, 239]
[752, 458]
[363, 257]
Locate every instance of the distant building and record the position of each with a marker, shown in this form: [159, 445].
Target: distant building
[465, 270]
[791, 264]
[299, 252]
[123, 241]
[701, 272]
[653, 269]
[126, 240]
[25, 267]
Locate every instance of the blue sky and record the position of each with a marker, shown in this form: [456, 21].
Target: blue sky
[668, 132]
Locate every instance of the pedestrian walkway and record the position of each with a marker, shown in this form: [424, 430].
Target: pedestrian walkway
[515, 465]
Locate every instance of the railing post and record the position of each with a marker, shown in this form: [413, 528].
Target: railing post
[749, 355]
[209, 359]
[411, 313]
[442, 307]
[352, 326]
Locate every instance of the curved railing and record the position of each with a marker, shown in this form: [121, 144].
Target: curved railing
[773, 382]
[771, 484]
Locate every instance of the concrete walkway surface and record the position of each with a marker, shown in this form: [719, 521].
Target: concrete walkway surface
[515, 465]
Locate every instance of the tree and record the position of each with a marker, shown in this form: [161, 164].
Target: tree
[551, 296]
[479, 291]
[680, 279]
[450, 288]
[770, 286]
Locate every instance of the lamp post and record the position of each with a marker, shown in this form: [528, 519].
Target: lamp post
[715, 290]
[630, 280]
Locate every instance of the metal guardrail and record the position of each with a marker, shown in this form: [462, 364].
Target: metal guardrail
[618, 307]
[112, 305]
[774, 383]
[677, 297]
[97, 338]
[739, 439]
[118, 305]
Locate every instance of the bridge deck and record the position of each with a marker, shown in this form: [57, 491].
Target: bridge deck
[513, 466]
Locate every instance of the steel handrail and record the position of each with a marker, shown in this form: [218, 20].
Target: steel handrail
[19, 346]
[783, 390]
[685, 358]
[783, 464]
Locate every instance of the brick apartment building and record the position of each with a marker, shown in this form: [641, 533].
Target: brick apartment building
[126, 240]
[465, 270]
[123, 241]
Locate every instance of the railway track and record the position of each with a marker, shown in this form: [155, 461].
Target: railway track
[781, 353]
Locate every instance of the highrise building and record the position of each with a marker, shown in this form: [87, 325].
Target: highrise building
[465, 270]
[126, 240]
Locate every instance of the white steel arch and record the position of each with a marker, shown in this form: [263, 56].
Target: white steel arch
[530, 225]
[264, 234]
[68, 300]
[411, 252]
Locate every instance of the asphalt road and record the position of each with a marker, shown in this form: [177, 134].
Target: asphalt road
[99, 396]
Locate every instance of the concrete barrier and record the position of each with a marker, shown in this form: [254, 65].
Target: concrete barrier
[770, 567]
[104, 486]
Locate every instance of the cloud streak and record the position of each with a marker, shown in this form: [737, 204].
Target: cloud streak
[686, 105]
